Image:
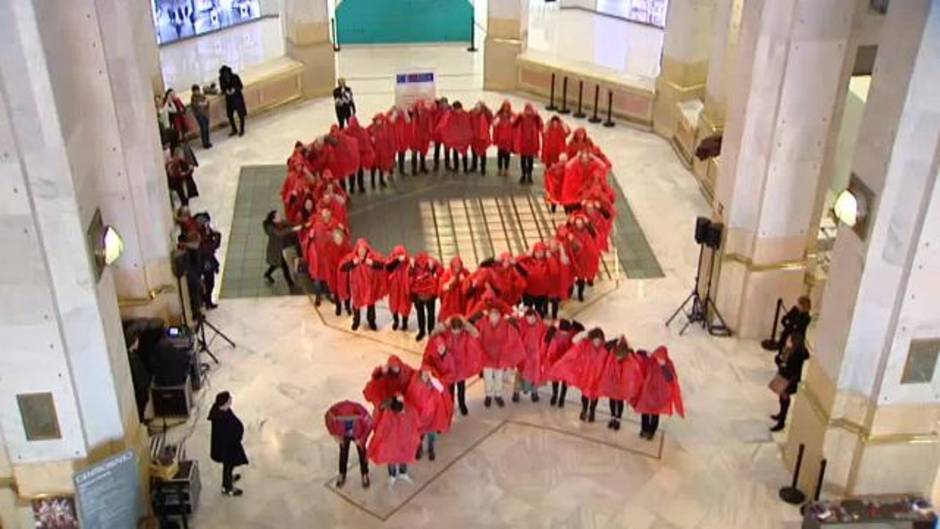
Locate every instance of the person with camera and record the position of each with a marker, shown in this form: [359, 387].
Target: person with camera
[350, 423]
[209, 242]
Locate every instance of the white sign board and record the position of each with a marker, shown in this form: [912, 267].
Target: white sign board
[415, 86]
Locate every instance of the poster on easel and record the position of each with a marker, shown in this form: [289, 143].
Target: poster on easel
[413, 86]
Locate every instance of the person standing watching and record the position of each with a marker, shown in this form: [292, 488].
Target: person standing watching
[789, 362]
[796, 320]
[199, 104]
[226, 442]
[345, 105]
[231, 85]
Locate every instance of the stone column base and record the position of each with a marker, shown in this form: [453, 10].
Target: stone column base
[319, 62]
[500, 72]
[677, 82]
[747, 293]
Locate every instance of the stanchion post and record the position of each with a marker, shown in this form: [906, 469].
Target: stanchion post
[473, 39]
[819, 480]
[610, 109]
[792, 494]
[551, 98]
[580, 114]
[597, 94]
[771, 344]
[336, 46]
[564, 97]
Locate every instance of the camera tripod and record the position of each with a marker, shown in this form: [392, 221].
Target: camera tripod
[699, 312]
[199, 333]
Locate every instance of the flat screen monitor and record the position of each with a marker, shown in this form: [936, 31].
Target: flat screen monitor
[180, 19]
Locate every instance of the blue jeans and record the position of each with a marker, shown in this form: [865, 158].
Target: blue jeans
[431, 437]
[203, 122]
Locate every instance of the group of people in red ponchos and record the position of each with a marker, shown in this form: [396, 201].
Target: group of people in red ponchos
[355, 276]
[412, 406]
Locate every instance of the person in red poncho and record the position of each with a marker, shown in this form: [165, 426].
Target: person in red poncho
[343, 159]
[557, 342]
[503, 351]
[538, 278]
[462, 341]
[481, 120]
[397, 272]
[327, 244]
[400, 121]
[334, 199]
[366, 281]
[435, 408]
[621, 380]
[349, 422]
[441, 110]
[532, 331]
[383, 141]
[582, 251]
[554, 141]
[366, 151]
[555, 182]
[660, 395]
[527, 130]
[387, 381]
[457, 134]
[579, 142]
[503, 136]
[601, 218]
[423, 281]
[424, 119]
[561, 279]
[452, 289]
[396, 438]
[581, 172]
[581, 366]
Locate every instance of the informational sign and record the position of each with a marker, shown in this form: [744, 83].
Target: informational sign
[415, 86]
[108, 493]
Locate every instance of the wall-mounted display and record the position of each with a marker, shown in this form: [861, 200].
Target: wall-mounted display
[652, 12]
[180, 19]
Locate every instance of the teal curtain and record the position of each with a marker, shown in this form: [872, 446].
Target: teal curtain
[403, 21]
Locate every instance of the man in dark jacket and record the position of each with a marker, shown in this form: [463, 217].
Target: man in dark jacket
[345, 105]
[278, 233]
[226, 442]
[231, 85]
[796, 320]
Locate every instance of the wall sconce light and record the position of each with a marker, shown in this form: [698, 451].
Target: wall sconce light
[112, 245]
[847, 208]
[853, 206]
[105, 244]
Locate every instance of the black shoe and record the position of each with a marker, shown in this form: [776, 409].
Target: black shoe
[487, 402]
[269, 280]
[431, 455]
[778, 427]
[339, 310]
[210, 305]
[610, 424]
[515, 396]
[583, 416]
[236, 478]
[561, 403]
[317, 300]
[500, 402]
[233, 133]
[372, 326]
[404, 325]
[591, 416]
[464, 410]
[420, 453]
[394, 322]
[522, 179]
[420, 336]
[362, 190]
[355, 326]
[340, 481]
[234, 491]
[553, 401]
[241, 133]
[365, 481]
[535, 396]
[775, 417]
[617, 424]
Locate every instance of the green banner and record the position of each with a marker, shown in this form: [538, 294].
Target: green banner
[403, 21]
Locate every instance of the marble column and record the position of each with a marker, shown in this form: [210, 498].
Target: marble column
[685, 60]
[507, 27]
[307, 30]
[59, 322]
[782, 98]
[870, 400]
[726, 26]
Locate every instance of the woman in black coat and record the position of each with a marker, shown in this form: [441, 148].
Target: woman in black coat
[279, 234]
[789, 362]
[227, 432]
[231, 85]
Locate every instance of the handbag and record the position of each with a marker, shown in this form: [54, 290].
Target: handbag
[779, 385]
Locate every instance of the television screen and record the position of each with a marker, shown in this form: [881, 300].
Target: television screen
[180, 19]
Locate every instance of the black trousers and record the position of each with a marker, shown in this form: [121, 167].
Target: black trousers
[616, 408]
[232, 111]
[458, 157]
[425, 309]
[502, 159]
[538, 303]
[478, 161]
[342, 117]
[180, 192]
[461, 393]
[344, 456]
[401, 162]
[554, 302]
[649, 423]
[555, 390]
[228, 478]
[203, 122]
[357, 177]
[208, 283]
[528, 164]
[284, 270]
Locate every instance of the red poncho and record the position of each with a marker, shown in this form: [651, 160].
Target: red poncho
[501, 343]
[581, 366]
[396, 437]
[328, 244]
[347, 418]
[344, 153]
[503, 136]
[622, 378]
[559, 271]
[538, 273]
[402, 128]
[423, 122]
[579, 142]
[343, 287]
[533, 339]
[468, 355]
[318, 156]
[363, 141]
[553, 141]
[481, 119]
[439, 360]
[337, 206]
[452, 289]
[383, 139]
[366, 280]
[555, 182]
[485, 299]
[584, 255]
[440, 115]
[433, 402]
[554, 350]
[603, 224]
[456, 130]
[580, 175]
[425, 273]
[387, 381]
[398, 270]
[660, 394]
[527, 130]
[510, 281]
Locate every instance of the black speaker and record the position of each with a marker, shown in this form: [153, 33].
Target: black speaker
[713, 235]
[701, 229]
[171, 401]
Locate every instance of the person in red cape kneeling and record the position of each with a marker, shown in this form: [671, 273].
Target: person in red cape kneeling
[425, 276]
[621, 379]
[502, 353]
[397, 272]
[581, 366]
[396, 438]
[532, 331]
[366, 281]
[349, 422]
[503, 137]
[435, 407]
[660, 394]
